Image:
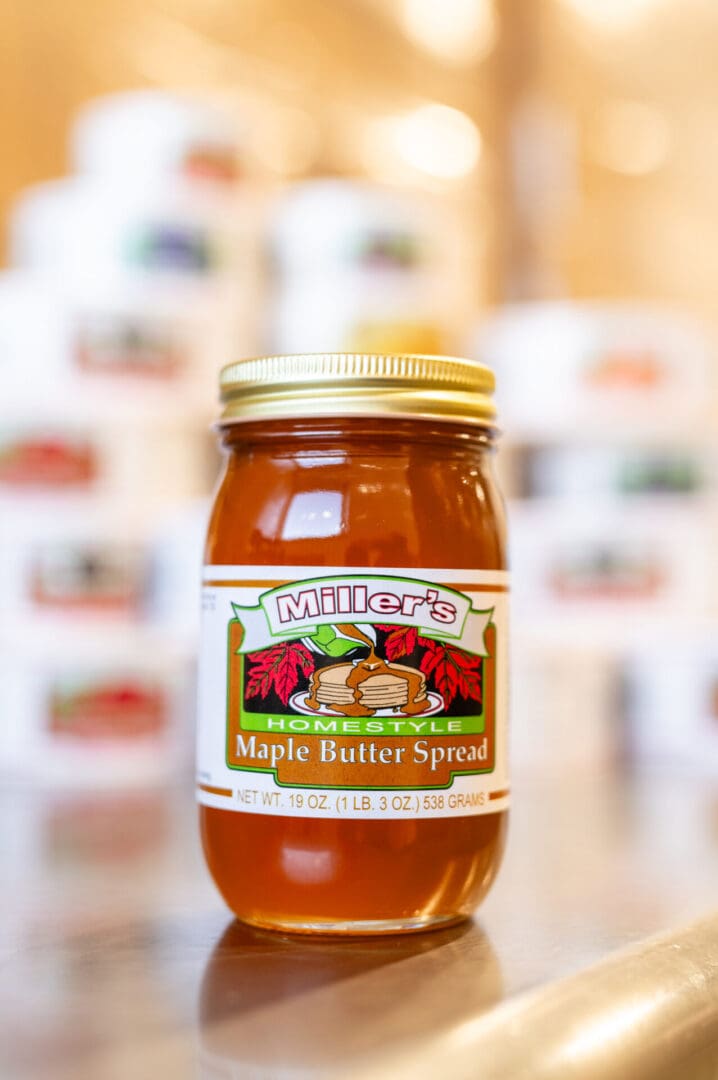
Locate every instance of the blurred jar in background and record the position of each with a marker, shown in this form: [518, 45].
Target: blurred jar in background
[619, 372]
[95, 710]
[133, 282]
[359, 268]
[610, 468]
[158, 135]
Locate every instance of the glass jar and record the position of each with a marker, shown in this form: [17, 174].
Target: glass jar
[352, 773]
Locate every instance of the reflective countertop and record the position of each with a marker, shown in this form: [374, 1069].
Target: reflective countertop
[120, 960]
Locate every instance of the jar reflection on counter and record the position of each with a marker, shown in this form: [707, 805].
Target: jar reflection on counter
[256, 983]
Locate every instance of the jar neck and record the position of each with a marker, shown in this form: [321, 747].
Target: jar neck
[359, 432]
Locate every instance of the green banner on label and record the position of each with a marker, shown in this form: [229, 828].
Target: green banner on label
[300, 609]
[376, 725]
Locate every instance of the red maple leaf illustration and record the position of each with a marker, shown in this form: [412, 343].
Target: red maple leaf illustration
[278, 669]
[402, 641]
[451, 670]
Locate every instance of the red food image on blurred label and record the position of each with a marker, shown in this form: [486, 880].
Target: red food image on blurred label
[625, 370]
[112, 709]
[47, 462]
[210, 163]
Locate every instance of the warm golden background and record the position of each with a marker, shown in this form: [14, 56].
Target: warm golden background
[552, 150]
[615, 101]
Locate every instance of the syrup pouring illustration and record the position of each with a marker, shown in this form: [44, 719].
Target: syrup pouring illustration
[358, 673]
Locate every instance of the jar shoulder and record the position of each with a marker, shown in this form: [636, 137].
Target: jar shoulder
[394, 510]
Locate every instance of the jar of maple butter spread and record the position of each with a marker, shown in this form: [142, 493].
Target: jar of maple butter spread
[352, 744]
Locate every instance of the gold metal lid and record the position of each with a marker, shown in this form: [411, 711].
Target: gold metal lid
[357, 384]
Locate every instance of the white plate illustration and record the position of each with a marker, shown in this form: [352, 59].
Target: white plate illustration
[296, 702]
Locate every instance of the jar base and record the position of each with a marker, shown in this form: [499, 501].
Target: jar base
[353, 927]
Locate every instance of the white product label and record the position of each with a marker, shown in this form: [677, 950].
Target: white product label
[352, 692]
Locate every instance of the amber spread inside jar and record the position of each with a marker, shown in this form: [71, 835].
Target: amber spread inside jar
[386, 498]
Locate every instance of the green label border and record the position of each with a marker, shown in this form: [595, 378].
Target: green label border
[330, 787]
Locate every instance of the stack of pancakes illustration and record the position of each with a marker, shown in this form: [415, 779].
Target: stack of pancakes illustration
[365, 686]
[389, 688]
